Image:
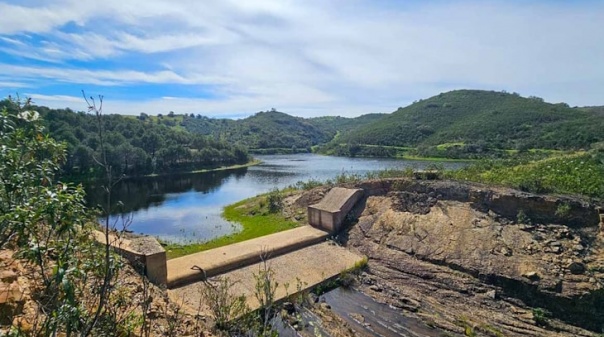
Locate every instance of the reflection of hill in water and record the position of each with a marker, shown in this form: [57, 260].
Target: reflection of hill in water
[141, 193]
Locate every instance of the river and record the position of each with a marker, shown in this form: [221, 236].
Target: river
[186, 208]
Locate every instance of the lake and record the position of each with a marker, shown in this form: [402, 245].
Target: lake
[186, 208]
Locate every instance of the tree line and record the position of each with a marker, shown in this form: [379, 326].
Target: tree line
[133, 146]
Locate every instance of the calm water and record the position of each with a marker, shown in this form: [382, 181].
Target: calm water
[186, 208]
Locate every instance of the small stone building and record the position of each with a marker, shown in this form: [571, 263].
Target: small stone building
[330, 212]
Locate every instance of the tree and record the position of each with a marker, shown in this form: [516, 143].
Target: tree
[46, 222]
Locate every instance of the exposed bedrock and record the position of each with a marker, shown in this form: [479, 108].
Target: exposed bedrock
[490, 256]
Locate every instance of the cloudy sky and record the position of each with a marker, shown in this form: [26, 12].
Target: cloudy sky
[231, 58]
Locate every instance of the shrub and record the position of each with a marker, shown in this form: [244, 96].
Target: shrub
[275, 201]
[563, 210]
[521, 217]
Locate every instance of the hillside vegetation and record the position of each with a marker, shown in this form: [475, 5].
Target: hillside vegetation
[462, 122]
[274, 131]
[133, 146]
[580, 173]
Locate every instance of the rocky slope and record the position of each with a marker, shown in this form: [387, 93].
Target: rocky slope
[476, 261]
[19, 307]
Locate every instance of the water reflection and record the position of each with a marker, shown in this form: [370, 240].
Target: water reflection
[187, 207]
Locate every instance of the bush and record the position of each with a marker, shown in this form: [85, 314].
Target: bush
[275, 201]
[46, 223]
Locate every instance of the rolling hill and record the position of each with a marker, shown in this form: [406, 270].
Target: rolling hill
[274, 131]
[476, 120]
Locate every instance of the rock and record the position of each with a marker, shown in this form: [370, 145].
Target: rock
[289, 307]
[408, 304]
[154, 313]
[313, 298]
[506, 251]
[357, 317]
[578, 248]
[8, 276]
[6, 255]
[23, 325]
[592, 280]
[376, 288]
[532, 275]
[325, 306]
[577, 268]
[492, 294]
[10, 293]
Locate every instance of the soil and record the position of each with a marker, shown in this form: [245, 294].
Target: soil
[17, 307]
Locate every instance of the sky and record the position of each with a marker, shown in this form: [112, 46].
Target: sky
[232, 58]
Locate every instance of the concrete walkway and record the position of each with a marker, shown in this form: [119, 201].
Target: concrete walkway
[306, 268]
[192, 268]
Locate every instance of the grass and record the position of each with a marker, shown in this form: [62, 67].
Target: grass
[445, 146]
[443, 159]
[253, 216]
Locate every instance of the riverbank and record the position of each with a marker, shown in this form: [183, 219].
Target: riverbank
[252, 214]
[84, 179]
[253, 162]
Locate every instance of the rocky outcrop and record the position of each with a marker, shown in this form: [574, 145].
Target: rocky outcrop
[495, 260]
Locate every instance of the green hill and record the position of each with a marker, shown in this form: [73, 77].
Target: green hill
[134, 146]
[475, 121]
[335, 124]
[274, 131]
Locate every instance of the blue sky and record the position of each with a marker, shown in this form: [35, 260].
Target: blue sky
[307, 58]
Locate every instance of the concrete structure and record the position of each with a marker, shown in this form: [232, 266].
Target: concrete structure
[199, 266]
[330, 212]
[295, 271]
[143, 253]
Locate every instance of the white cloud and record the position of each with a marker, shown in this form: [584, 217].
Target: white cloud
[311, 57]
[55, 98]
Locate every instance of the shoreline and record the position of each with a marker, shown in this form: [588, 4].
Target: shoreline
[253, 162]
[255, 221]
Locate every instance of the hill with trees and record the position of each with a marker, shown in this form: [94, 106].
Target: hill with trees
[133, 146]
[273, 131]
[475, 123]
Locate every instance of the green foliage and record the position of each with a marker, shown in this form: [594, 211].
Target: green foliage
[307, 185]
[275, 201]
[479, 124]
[135, 146]
[465, 324]
[223, 304]
[522, 218]
[45, 222]
[563, 210]
[581, 173]
[265, 291]
[348, 276]
[270, 132]
[264, 130]
[336, 124]
[541, 316]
